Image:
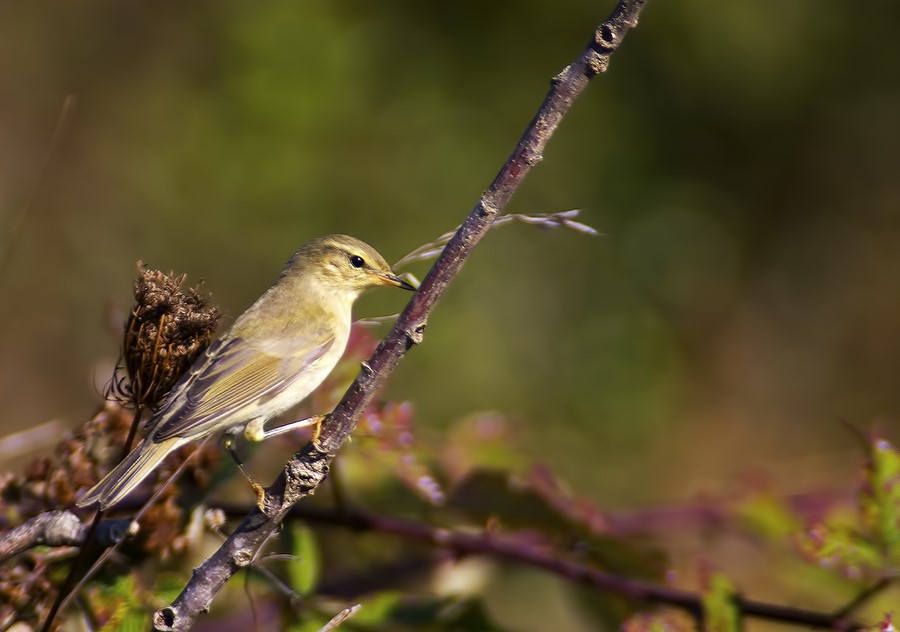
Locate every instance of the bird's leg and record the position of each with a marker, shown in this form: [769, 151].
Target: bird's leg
[228, 443]
[229, 440]
[256, 431]
[315, 420]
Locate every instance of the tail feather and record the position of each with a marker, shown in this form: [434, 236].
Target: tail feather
[128, 474]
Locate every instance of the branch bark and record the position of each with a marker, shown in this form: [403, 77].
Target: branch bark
[309, 466]
[58, 528]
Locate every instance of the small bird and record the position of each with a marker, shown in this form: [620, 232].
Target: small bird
[275, 354]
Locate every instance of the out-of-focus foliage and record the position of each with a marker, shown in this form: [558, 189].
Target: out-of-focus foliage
[739, 159]
[124, 603]
[720, 612]
[663, 622]
[402, 570]
[304, 572]
[880, 499]
[868, 547]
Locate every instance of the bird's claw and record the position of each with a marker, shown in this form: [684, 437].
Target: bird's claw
[260, 495]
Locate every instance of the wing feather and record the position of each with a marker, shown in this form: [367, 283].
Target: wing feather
[235, 376]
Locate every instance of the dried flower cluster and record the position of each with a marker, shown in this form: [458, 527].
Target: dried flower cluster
[26, 592]
[166, 331]
[79, 460]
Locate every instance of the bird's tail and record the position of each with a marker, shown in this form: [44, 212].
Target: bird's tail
[128, 474]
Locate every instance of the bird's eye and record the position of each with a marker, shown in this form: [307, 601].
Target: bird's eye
[356, 261]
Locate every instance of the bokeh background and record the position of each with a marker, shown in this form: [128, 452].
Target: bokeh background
[740, 159]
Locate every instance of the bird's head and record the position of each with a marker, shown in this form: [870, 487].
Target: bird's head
[341, 263]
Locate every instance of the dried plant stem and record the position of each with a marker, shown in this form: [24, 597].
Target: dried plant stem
[560, 219]
[7, 250]
[426, 252]
[131, 528]
[64, 529]
[306, 470]
[661, 520]
[73, 583]
[340, 618]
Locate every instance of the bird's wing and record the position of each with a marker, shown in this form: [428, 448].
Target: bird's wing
[236, 374]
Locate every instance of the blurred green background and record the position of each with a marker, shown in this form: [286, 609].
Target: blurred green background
[740, 159]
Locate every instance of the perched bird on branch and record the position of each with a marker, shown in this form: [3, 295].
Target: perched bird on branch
[276, 353]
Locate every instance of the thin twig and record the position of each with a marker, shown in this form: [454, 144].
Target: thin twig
[306, 470]
[133, 525]
[859, 600]
[425, 252]
[340, 617]
[560, 219]
[72, 582]
[8, 249]
[90, 618]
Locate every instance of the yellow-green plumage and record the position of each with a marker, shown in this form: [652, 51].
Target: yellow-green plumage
[276, 353]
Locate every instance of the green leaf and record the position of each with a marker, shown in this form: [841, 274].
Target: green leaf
[767, 516]
[673, 621]
[129, 613]
[377, 608]
[720, 611]
[168, 587]
[880, 499]
[305, 569]
[131, 621]
[873, 548]
[842, 550]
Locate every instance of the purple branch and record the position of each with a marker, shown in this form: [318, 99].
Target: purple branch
[508, 547]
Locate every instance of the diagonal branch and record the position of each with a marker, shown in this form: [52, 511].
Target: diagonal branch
[308, 468]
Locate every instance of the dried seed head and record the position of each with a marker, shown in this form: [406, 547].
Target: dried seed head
[214, 519]
[166, 331]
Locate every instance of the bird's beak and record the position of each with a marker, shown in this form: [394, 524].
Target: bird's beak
[390, 278]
